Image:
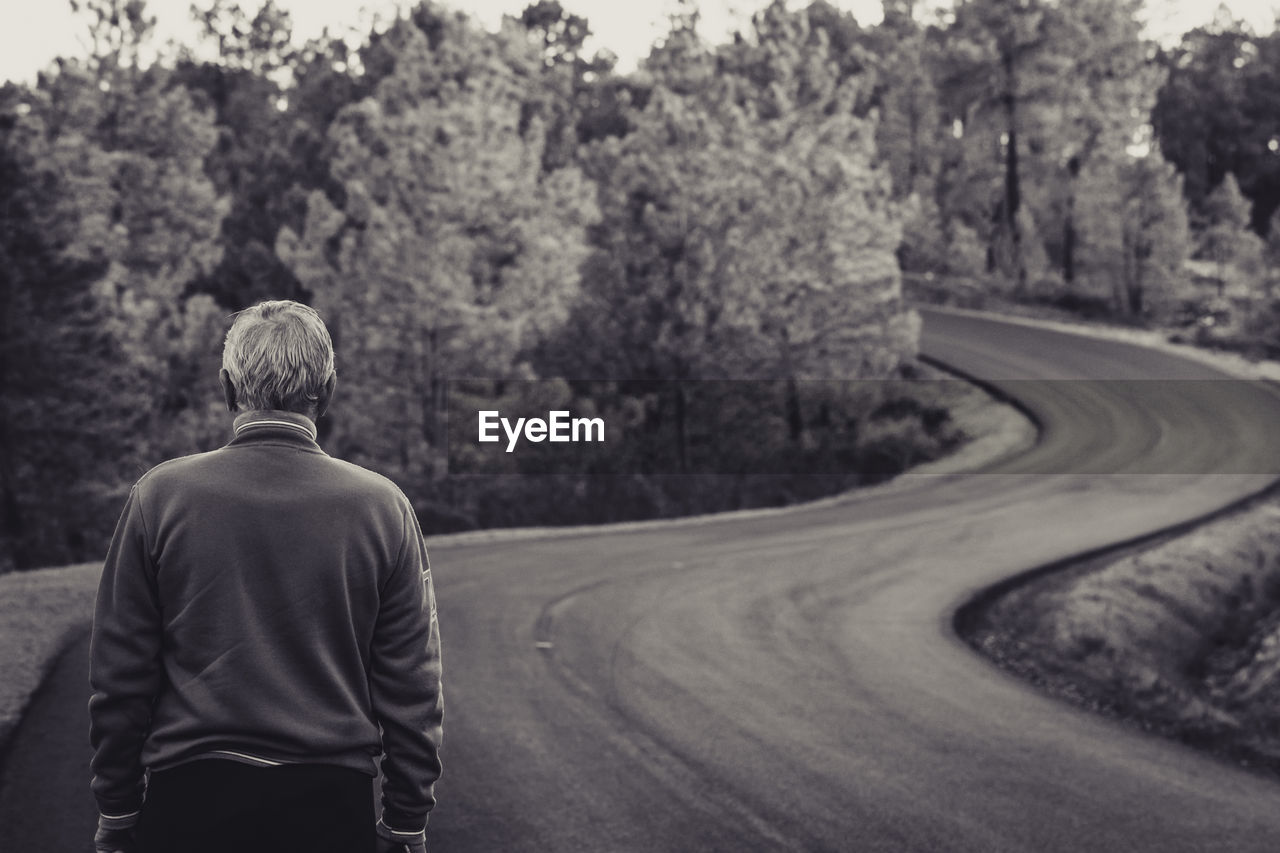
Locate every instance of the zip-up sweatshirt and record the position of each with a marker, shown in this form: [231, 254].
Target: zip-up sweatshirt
[267, 603]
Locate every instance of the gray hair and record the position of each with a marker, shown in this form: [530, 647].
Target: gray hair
[279, 356]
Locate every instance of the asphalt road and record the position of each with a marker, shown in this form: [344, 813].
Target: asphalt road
[791, 681]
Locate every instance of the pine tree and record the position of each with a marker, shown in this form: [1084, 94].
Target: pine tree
[451, 253]
[746, 231]
[1225, 238]
[1100, 116]
[108, 367]
[1219, 112]
[1273, 242]
[1135, 219]
[1003, 61]
[908, 134]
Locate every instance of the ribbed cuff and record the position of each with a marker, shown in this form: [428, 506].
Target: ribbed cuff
[401, 835]
[128, 804]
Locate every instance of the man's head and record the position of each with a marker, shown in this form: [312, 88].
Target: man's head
[278, 355]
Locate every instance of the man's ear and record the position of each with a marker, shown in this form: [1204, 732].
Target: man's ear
[228, 389]
[326, 395]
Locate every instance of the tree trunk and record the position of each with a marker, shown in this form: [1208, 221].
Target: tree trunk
[1135, 281]
[681, 439]
[1069, 223]
[795, 418]
[1120, 283]
[427, 371]
[1069, 243]
[1012, 189]
[11, 526]
[1135, 291]
[914, 167]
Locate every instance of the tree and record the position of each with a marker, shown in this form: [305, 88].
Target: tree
[1226, 239]
[746, 233]
[117, 31]
[107, 218]
[1002, 62]
[61, 438]
[560, 33]
[1102, 114]
[746, 229]
[272, 103]
[908, 135]
[261, 45]
[449, 252]
[1135, 218]
[1273, 241]
[828, 283]
[1219, 113]
[849, 45]
[908, 132]
[575, 95]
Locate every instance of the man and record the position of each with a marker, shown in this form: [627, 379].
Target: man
[265, 628]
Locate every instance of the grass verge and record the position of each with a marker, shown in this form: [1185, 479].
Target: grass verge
[41, 613]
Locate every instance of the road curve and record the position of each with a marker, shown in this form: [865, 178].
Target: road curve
[791, 681]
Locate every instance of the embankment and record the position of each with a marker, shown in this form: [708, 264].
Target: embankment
[1180, 637]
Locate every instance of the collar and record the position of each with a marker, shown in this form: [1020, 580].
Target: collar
[274, 420]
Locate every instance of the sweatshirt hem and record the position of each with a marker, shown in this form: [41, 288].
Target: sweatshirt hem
[360, 762]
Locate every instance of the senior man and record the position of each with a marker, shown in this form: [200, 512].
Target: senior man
[265, 628]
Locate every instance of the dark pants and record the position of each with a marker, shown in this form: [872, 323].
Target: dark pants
[216, 806]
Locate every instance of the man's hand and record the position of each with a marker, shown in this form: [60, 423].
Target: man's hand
[391, 841]
[114, 841]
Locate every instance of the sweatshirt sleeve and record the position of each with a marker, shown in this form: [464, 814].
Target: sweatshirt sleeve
[405, 686]
[124, 668]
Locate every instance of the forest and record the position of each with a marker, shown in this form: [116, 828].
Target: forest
[498, 216]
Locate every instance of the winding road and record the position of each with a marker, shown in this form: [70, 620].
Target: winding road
[791, 680]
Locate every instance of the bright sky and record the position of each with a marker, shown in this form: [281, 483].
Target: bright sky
[35, 31]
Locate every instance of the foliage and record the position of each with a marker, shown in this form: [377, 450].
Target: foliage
[452, 253]
[909, 131]
[1004, 62]
[501, 206]
[1137, 222]
[107, 215]
[1041, 95]
[1225, 237]
[1219, 113]
[1096, 121]
[746, 231]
